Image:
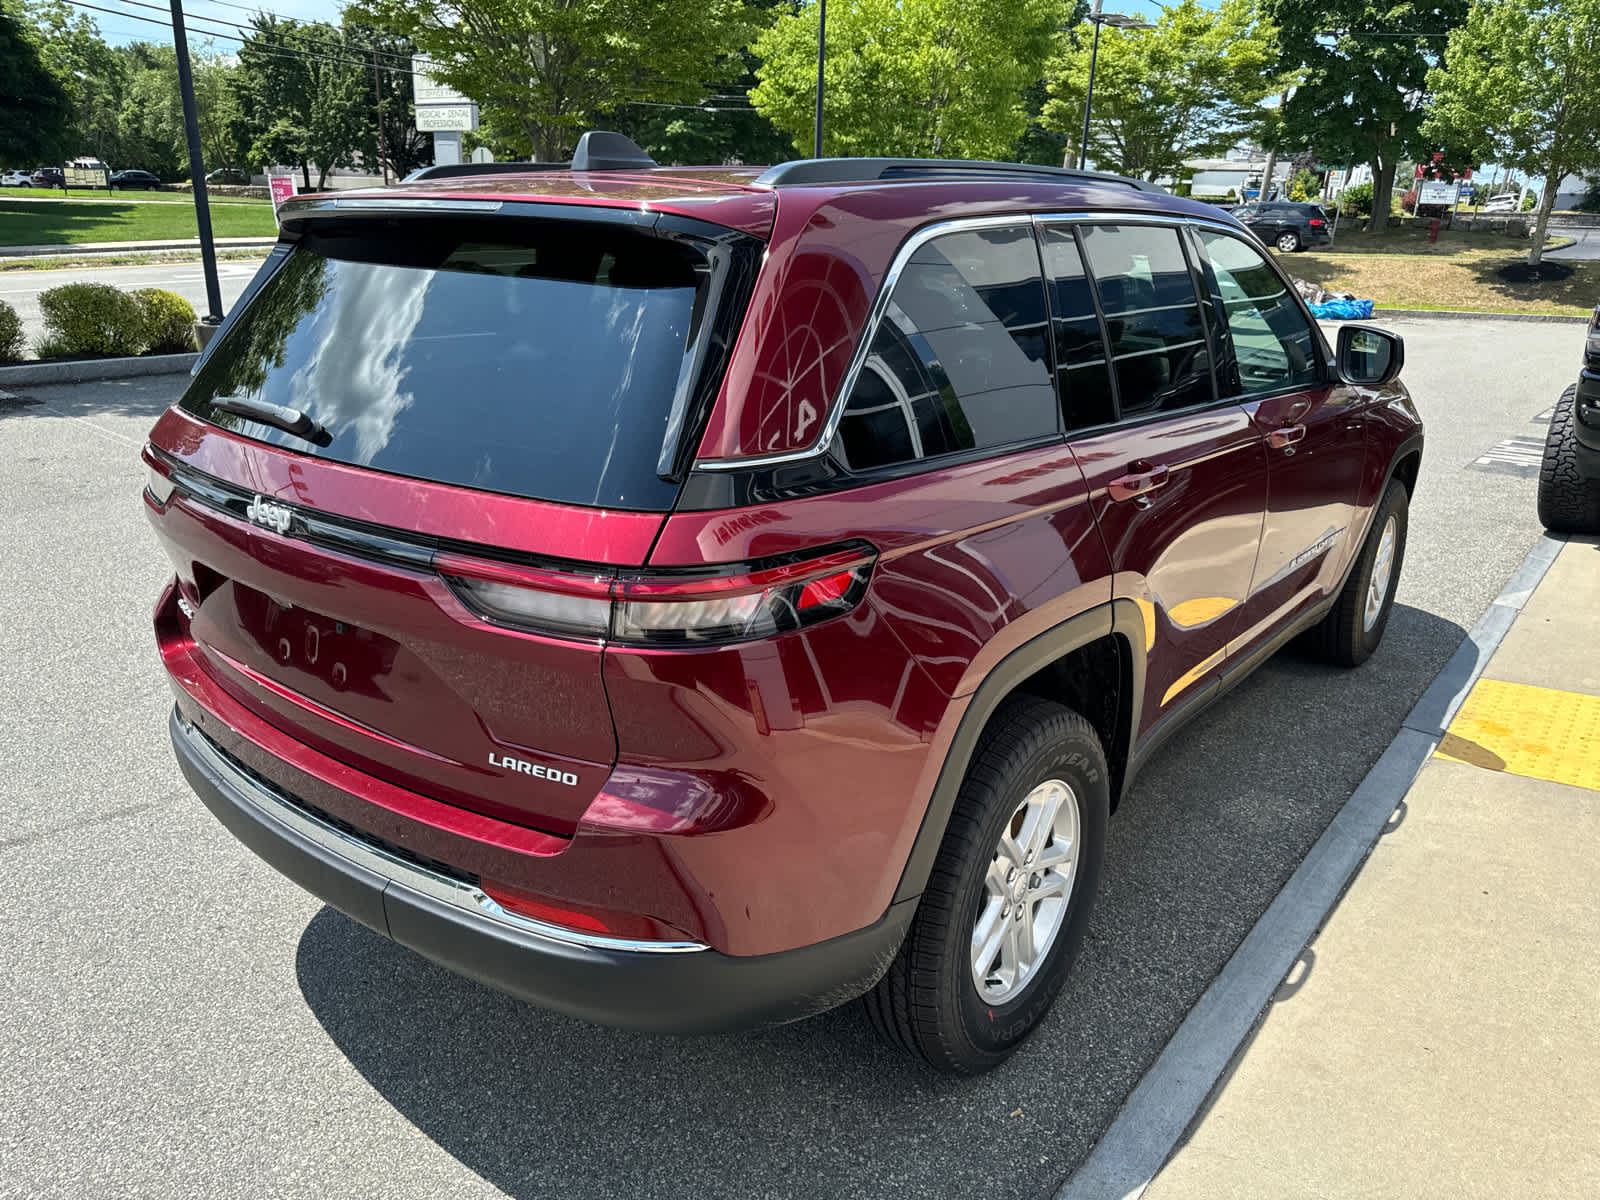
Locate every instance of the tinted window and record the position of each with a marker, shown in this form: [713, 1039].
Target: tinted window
[1082, 377]
[1272, 340]
[544, 366]
[958, 361]
[1157, 333]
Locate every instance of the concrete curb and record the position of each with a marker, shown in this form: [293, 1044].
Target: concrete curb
[35, 374]
[1449, 314]
[1161, 1108]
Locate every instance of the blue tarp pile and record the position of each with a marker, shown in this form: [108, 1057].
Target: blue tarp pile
[1343, 310]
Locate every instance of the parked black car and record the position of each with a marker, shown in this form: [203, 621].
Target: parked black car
[134, 179]
[1286, 225]
[1569, 477]
[50, 177]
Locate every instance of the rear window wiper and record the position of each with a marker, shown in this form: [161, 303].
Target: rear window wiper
[290, 420]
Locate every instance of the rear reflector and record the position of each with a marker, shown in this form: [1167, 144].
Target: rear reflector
[522, 903]
[693, 608]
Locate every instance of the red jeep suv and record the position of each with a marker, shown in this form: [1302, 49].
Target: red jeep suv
[694, 598]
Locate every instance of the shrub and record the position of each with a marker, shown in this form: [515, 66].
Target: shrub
[12, 342]
[168, 321]
[1530, 201]
[1356, 201]
[92, 318]
[1231, 198]
[1408, 202]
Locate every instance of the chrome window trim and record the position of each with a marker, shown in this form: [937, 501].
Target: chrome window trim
[458, 893]
[914, 242]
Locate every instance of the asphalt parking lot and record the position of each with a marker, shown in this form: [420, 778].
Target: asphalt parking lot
[180, 1021]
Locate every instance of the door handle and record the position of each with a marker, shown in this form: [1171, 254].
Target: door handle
[1138, 485]
[1283, 439]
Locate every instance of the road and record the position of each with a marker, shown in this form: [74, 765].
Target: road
[21, 289]
[1585, 246]
[182, 1021]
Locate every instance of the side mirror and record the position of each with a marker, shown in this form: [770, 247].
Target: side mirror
[1370, 357]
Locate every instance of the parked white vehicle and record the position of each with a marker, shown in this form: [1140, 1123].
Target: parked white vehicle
[16, 179]
[1504, 202]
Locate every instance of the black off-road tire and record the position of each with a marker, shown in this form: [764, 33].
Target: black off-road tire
[1568, 502]
[927, 1002]
[1343, 637]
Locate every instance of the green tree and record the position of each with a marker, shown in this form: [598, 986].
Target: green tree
[389, 94]
[304, 96]
[34, 109]
[1520, 84]
[89, 71]
[1190, 87]
[1362, 92]
[548, 69]
[940, 78]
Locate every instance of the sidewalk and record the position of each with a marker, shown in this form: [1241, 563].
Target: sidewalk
[1441, 1035]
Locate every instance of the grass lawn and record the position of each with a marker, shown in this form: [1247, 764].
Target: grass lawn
[1402, 269]
[70, 222]
[1412, 238]
[161, 196]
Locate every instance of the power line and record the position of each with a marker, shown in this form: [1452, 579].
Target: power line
[277, 50]
[252, 29]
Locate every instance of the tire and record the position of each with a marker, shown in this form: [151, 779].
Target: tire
[1354, 626]
[1288, 241]
[930, 1001]
[1568, 502]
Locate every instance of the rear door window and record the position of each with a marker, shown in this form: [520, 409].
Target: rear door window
[535, 358]
[1159, 349]
[959, 360]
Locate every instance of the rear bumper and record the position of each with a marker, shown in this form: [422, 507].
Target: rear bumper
[676, 987]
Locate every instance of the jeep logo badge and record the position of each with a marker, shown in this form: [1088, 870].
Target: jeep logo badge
[274, 516]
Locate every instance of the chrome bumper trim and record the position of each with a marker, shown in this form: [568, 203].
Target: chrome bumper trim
[458, 893]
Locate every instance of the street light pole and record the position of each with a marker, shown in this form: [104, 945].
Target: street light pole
[1088, 96]
[1098, 18]
[822, 49]
[197, 168]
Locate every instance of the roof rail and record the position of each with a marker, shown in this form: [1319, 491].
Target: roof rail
[450, 170]
[865, 170]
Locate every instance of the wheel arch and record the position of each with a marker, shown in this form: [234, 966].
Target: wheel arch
[1092, 663]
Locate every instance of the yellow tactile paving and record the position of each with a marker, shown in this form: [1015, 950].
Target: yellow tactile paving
[1532, 731]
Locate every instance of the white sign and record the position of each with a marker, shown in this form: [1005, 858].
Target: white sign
[446, 118]
[427, 90]
[1436, 191]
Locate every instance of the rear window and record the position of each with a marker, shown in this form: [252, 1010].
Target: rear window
[545, 362]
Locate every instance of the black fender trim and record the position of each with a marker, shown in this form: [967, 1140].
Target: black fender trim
[1120, 618]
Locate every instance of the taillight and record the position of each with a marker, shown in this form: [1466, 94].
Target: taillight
[557, 602]
[699, 607]
[1315, 222]
[157, 482]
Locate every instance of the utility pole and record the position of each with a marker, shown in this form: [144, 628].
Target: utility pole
[197, 170]
[377, 95]
[822, 49]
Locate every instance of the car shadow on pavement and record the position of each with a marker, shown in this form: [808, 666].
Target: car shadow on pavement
[540, 1104]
